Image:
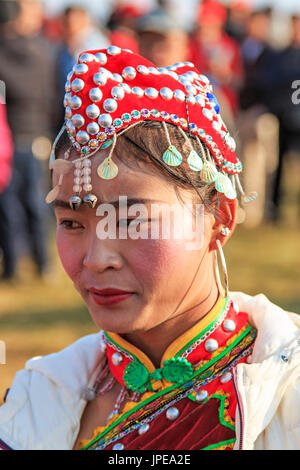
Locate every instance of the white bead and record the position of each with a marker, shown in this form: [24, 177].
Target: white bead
[87, 187]
[229, 325]
[78, 164]
[118, 446]
[201, 395]
[77, 181]
[86, 162]
[86, 179]
[77, 188]
[117, 359]
[113, 50]
[77, 172]
[172, 413]
[211, 345]
[226, 377]
[143, 428]
[86, 171]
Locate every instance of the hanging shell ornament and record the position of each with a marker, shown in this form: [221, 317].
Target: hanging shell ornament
[224, 185]
[61, 166]
[107, 170]
[209, 172]
[194, 161]
[172, 156]
[52, 195]
[250, 197]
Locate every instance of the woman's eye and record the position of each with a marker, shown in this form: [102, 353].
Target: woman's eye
[70, 224]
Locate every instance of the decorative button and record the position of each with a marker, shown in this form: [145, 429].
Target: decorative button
[179, 95]
[92, 128]
[113, 50]
[86, 57]
[82, 137]
[110, 105]
[80, 69]
[226, 377]
[118, 446]
[201, 396]
[100, 78]
[75, 102]
[105, 120]
[229, 325]
[166, 93]
[101, 57]
[136, 90]
[117, 359]
[143, 428]
[92, 111]
[151, 93]
[77, 120]
[95, 94]
[129, 73]
[117, 92]
[143, 69]
[211, 345]
[172, 413]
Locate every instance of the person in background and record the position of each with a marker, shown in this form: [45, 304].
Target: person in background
[121, 26]
[238, 14]
[287, 109]
[27, 69]
[6, 153]
[161, 39]
[79, 33]
[218, 56]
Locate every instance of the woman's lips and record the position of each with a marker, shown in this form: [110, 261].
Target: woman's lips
[108, 296]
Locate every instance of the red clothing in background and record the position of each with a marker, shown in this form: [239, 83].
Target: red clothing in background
[6, 150]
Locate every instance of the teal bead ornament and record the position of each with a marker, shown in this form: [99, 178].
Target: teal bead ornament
[177, 370]
[106, 144]
[194, 161]
[172, 156]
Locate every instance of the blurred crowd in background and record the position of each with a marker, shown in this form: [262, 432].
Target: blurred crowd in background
[254, 69]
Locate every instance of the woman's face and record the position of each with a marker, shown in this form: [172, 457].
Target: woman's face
[162, 276]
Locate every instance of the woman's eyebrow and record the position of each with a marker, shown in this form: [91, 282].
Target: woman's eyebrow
[118, 203]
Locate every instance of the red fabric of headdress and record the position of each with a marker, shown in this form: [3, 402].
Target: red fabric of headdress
[110, 89]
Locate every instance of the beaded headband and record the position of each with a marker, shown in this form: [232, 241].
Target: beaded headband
[110, 90]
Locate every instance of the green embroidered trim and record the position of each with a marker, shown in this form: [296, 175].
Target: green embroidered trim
[222, 443]
[166, 390]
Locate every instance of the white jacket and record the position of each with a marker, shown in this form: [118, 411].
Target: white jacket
[44, 405]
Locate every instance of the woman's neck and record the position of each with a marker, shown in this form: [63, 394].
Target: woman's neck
[154, 342]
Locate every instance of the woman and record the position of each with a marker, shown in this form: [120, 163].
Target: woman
[179, 362]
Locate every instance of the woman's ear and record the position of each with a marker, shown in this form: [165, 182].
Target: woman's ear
[225, 221]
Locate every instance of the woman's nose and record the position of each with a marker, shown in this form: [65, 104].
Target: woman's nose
[102, 255]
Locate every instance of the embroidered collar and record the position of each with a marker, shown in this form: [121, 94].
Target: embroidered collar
[205, 340]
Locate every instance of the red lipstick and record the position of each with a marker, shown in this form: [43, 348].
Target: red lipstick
[109, 296]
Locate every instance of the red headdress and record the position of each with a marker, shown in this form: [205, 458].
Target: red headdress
[111, 89]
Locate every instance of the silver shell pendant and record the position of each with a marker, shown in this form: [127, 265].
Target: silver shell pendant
[194, 161]
[172, 157]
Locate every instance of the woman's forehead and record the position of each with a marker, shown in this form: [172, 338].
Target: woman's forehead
[132, 180]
